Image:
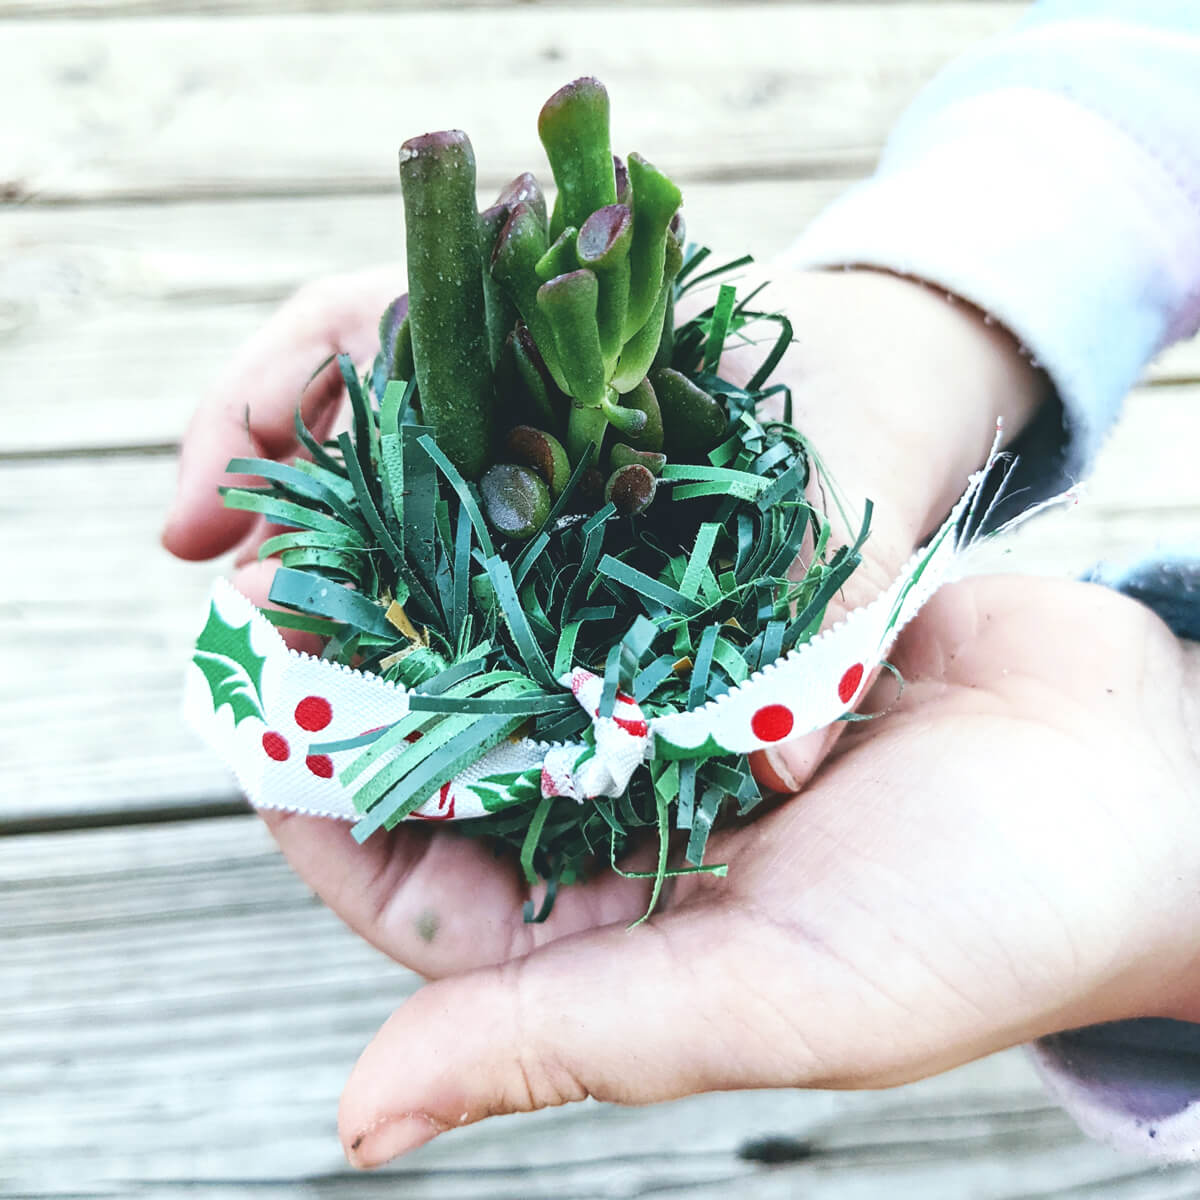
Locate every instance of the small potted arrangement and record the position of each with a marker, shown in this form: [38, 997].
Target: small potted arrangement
[554, 557]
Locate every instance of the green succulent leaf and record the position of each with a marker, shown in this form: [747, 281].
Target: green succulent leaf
[573, 126]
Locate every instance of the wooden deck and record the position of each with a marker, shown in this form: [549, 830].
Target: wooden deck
[177, 1013]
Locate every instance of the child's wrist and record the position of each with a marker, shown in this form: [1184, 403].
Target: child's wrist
[970, 373]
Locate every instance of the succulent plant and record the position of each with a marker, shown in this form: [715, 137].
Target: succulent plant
[488, 523]
[540, 339]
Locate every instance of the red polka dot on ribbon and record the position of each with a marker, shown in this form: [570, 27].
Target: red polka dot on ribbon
[849, 683]
[772, 722]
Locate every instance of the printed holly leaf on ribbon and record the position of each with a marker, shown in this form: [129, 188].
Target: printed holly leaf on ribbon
[231, 667]
[510, 787]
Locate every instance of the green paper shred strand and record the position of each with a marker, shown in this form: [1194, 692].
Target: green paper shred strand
[270, 504]
[706, 538]
[463, 489]
[664, 844]
[718, 325]
[324, 598]
[612, 680]
[462, 568]
[530, 844]
[319, 454]
[453, 757]
[655, 589]
[301, 482]
[518, 625]
[299, 622]
[366, 503]
[564, 653]
[705, 814]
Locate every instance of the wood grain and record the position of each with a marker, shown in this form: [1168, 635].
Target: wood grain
[295, 104]
[95, 727]
[135, 308]
[177, 1016]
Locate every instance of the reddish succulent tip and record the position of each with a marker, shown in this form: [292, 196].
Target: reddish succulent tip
[630, 489]
[441, 139]
[621, 177]
[586, 87]
[602, 230]
[522, 190]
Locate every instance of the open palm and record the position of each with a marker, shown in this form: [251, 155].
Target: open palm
[1008, 853]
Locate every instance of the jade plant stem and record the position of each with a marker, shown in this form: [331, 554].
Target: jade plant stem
[447, 312]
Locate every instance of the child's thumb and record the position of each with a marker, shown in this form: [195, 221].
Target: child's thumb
[611, 1014]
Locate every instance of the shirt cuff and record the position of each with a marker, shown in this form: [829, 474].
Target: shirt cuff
[1132, 1084]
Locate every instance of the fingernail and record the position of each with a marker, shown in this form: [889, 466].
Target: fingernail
[389, 1138]
[778, 762]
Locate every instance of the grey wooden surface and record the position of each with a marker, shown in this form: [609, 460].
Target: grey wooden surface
[177, 1013]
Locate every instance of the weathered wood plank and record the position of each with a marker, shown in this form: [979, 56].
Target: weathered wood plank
[137, 307]
[96, 623]
[177, 1016]
[264, 104]
[133, 309]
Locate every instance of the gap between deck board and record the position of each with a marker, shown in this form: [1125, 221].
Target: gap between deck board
[849, 165]
[205, 807]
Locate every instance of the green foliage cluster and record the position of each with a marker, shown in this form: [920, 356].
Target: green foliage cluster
[537, 337]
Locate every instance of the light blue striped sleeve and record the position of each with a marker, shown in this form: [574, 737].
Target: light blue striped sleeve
[1052, 177]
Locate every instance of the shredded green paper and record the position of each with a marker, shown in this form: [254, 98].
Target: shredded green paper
[450, 542]
[391, 559]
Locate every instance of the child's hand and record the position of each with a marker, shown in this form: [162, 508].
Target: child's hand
[251, 411]
[1011, 852]
[897, 388]
[899, 391]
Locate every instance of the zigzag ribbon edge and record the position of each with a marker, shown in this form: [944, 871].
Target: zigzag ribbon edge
[272, 704]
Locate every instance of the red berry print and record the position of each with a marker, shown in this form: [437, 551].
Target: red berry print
[321, 765]
[313, 713]
[849, 682]
[772, 722]
[275, 744]
[639, 729]
[445, 808]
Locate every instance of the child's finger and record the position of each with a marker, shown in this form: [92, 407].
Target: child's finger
[251, 413]
[787, 768]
